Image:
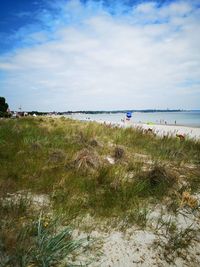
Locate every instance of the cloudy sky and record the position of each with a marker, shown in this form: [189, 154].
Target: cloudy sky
[100, 55]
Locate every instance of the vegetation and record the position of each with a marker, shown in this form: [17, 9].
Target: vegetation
[84, 168]
[28, 241]
[3, 107]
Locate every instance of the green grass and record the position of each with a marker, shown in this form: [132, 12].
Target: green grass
[177, 241]
[41, 154]
[36, 242]
[66, 159]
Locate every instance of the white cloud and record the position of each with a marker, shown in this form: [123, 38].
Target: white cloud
[110, 62]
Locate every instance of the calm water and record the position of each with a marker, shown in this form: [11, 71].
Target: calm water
[191, 118]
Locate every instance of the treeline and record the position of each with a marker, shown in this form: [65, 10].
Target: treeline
[121, 111]
[38, 113]
[4, 110]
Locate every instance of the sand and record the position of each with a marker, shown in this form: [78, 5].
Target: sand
[158, 129]
[136, 247]
[173, 130]
[162, 130]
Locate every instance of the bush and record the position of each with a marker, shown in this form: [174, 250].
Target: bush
[3, 107]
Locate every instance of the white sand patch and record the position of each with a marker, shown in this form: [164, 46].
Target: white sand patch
[119, 249]
[40, 200]
[110, 160]
[37, 200]
[171, 130]
[150, 247]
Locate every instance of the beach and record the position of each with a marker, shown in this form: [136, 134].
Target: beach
[187, 123]
[171, 130]
[132, 198]
[159, 129]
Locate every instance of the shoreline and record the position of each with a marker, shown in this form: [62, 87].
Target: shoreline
[160, 129]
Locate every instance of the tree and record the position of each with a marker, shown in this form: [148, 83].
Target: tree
[3, 107]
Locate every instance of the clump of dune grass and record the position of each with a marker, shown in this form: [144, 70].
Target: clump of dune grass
[118, 153]
[156, 182]
[176, 242]
[180, 239]
[138, 215]
[94, 143]
[81, 137]
[53, 246]
[32, 241]
[160, 175]
[57, 156]
[86, 159]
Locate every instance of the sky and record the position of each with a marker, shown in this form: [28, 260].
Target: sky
[100, 55]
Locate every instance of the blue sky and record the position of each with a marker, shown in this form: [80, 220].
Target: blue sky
[72, 55]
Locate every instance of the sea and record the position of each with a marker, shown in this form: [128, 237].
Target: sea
[185, 118]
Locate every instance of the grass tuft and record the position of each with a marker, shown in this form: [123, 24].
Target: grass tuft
[119, 153]
[161, 176]
[87, 159]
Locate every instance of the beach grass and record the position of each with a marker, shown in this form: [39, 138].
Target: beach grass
[45, 154]
[90, 168]
[29, 238]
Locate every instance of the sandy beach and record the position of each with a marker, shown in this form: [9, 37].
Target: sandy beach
[158, 129]
[173, 130]
[162, 130]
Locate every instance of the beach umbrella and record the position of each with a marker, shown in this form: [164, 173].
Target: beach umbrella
[128, 115]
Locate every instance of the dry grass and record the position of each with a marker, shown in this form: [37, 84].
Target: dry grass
[38, 153]
[86, 159]
[57, 156]
[119, 153]
[161, 175]
[66, 160]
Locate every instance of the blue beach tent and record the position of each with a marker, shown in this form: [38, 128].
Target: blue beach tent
[128, 115]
